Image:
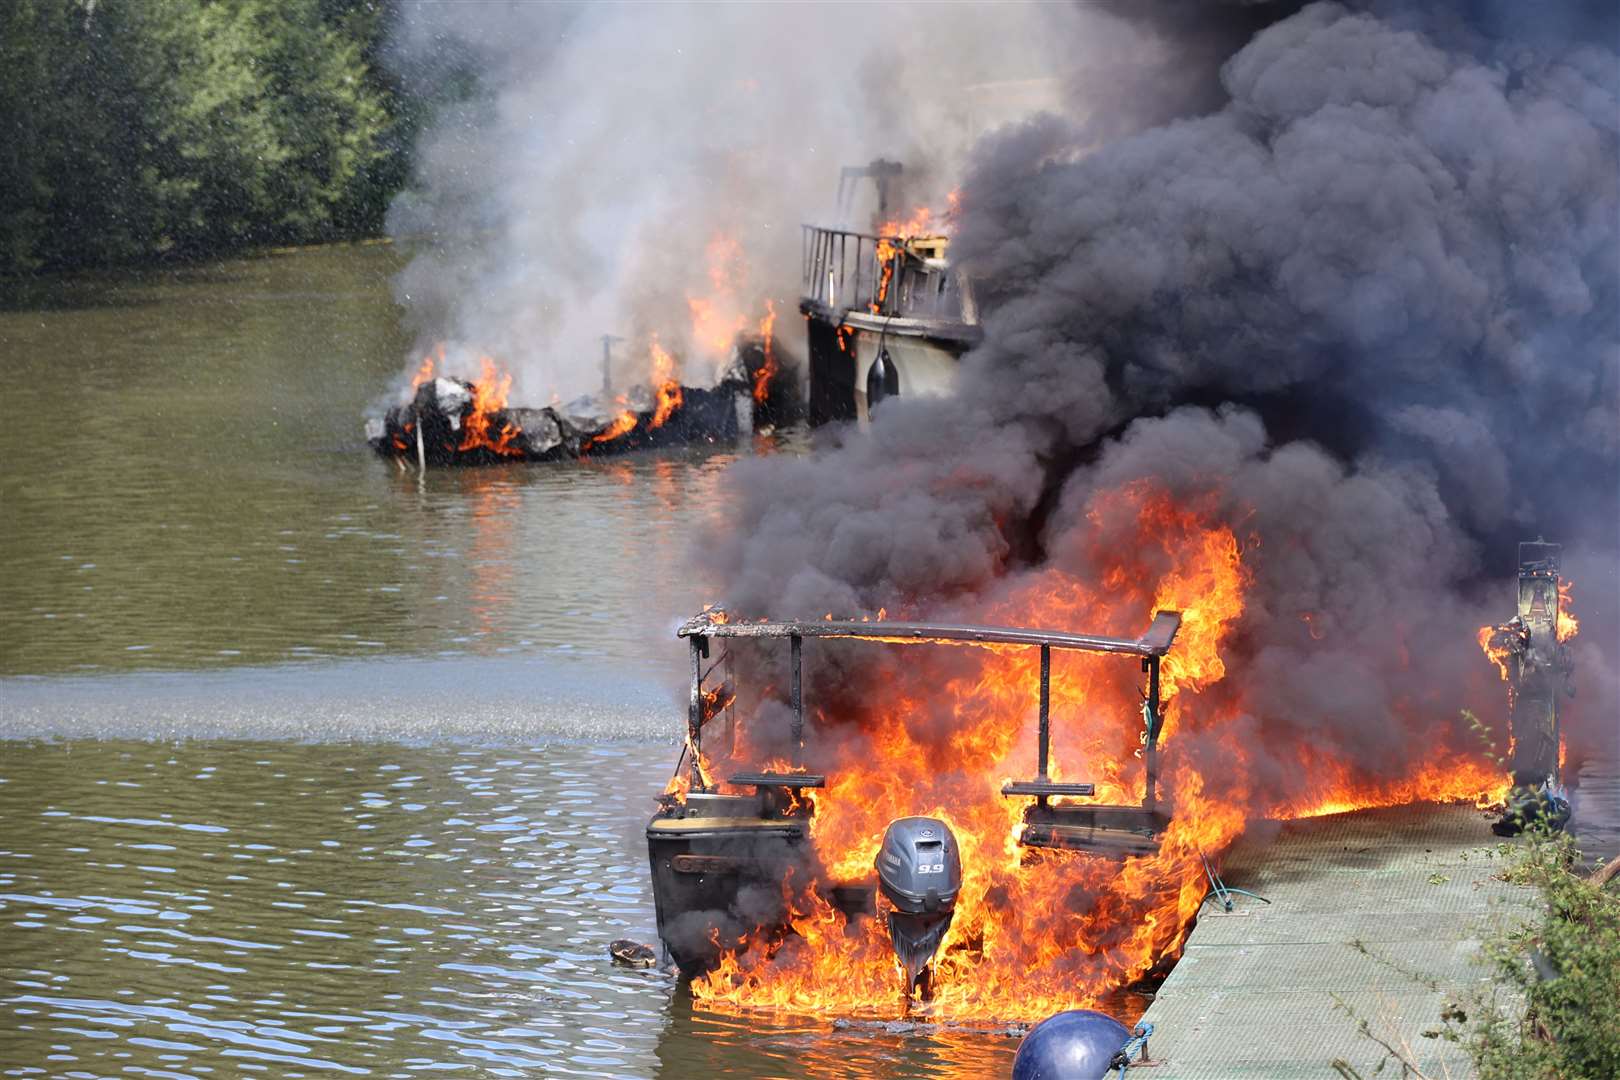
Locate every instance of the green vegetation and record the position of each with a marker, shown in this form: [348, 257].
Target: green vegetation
[137, 129]
[1555, 1014]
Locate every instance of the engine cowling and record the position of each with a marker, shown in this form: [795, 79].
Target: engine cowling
[919, 870]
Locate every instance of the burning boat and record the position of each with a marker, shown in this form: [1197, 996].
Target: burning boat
[727, 852]
[454, 421]
[451, 421]
[886, 315]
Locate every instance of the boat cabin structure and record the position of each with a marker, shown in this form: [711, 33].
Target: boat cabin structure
[721, 848]
[886, 316]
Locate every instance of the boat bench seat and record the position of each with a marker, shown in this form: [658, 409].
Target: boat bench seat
[794, 781]
[1044, 788]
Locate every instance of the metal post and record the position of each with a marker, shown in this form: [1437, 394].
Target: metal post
[795, 648]
[860, 268]
[843, 261]
[607, 364]
[1044, 751]
[1150, 800]
[694, 713]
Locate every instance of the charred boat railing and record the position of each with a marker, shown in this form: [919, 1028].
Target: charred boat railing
[1048, 826]
[854, 271]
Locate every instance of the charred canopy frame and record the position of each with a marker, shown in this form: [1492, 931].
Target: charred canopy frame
[1050, 831]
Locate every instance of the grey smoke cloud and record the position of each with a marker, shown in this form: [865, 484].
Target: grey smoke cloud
[1367, 306]
[582, 191]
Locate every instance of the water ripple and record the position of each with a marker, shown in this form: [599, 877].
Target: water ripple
[301, 930]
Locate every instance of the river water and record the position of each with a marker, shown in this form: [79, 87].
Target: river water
[310, 766]
[314, 767]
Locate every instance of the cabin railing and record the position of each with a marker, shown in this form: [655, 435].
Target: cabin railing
[1150, 648]
[841, 271]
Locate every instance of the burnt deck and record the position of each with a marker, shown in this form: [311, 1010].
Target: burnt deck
[1253, 994]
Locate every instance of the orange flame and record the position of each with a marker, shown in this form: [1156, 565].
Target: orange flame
[1036, 931]
[718, 318]
[425, 371]
[919, 223]
[1008, 953]
[1495, 644]
[1498, 654]
[669, 399]
[892, 236]
[489, 398]
[1568, 625]
[668, 391]
[767, 370]
[622, 424]
[886, 252]
[713, 327]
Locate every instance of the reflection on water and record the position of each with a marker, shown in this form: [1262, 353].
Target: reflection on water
[185, 485]
[363, 909]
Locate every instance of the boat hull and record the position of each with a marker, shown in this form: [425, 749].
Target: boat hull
[716, 879]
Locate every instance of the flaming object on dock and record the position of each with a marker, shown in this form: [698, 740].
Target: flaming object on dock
[1531, 653]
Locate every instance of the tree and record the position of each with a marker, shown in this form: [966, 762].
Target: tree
[132, 130]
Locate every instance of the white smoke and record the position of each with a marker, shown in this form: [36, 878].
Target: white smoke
[618, 158]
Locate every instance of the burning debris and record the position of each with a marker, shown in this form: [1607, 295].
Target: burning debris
[455, 421]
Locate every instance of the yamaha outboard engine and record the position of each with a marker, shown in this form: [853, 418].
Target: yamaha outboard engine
[919, 872]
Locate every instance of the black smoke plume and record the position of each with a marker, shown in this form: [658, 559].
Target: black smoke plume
[1364, 309]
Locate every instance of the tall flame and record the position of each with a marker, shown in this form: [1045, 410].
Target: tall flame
[1493, 641]
[1009, 952]
[1568, 625]
[667, 387]
[719, 317]
[892, 236]
[489, 397]
[767, 370]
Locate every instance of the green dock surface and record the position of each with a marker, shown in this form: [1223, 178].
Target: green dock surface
[1253, 994]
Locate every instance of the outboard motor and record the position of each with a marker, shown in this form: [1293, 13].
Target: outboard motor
[919, 872]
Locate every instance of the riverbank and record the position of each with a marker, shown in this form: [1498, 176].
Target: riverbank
[186, 127]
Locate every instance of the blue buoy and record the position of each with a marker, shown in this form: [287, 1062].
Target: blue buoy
[1073, 1045]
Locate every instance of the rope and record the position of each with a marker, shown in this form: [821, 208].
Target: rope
[1137, 1045]
[1147, 726]
[1220, 890]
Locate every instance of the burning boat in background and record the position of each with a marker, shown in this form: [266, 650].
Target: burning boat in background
[886, 314]
[448, 420]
